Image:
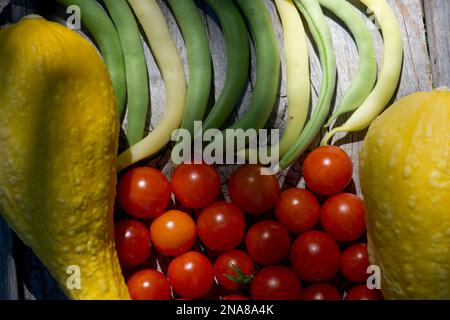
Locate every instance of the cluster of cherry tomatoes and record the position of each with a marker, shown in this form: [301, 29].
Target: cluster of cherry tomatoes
[265, 244]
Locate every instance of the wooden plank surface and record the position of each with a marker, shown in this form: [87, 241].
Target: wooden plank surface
[437, 14]
[426, 63]
[9, 286]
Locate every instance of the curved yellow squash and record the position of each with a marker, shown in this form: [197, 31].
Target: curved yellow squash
[405, 178]
[58, 142]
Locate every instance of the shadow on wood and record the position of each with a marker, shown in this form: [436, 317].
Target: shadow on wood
[37, 282]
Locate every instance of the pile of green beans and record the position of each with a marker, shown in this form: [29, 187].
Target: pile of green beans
[121, 46]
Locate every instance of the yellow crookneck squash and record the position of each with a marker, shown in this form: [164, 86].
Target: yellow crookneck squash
[58, 144]
[405, 179]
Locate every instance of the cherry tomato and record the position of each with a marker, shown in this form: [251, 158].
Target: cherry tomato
[342, 217]
[132, 242]
[221, 226]
[191, 275]
[143, 192]
[226, 265]
[354, 262]
[327, 170]
[149, 284]
[276, 283]
[196, 185]
[361, 292]
[173, 233]
[251, 191]
[268, 242]
[321, 291]
[298, 210]
[315, 256]
[235, 297]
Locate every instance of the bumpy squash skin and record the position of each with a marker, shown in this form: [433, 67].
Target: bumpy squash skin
[405, 179]
[58, 142]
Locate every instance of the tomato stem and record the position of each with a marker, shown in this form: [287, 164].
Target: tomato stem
[241, 278]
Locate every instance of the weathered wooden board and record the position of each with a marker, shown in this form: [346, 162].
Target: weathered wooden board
[426, 36]
[437, 14]
[9, 286]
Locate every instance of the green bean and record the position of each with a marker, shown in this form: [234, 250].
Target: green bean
[366, 75]
[135, 67]
[298, 84]
[321, 33]
[169, 62]
[238, 56]
[389, 73]
[199, 60]
[105, 34]
[267, 65]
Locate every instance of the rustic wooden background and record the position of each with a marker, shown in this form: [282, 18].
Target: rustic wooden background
[426, 34]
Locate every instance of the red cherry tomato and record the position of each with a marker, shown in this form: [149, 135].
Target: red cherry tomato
[315, 256]
[327, 170]
[268, 242]
[342, 217]
[149, 284]
[276, 283]
[235, 297]
[226, 265]
[173, 233]
[143, 192]
[321, 291]
[196, 185]
[361, 292]
[191, 275]
[132, 242]
[221, 226]
[354, 262]
[298, 210]
[251, 191]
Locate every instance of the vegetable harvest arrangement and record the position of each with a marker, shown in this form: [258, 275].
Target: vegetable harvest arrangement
[154, 236]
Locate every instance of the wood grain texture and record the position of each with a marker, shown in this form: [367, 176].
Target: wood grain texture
[3, 4]
[36, 281]
[9, 286]
[27, 278]
[437, 14]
